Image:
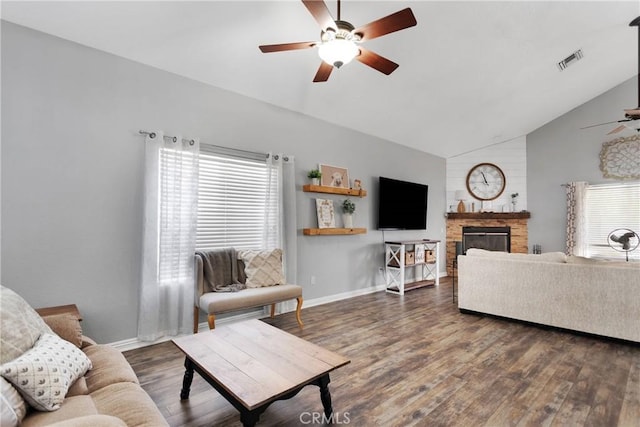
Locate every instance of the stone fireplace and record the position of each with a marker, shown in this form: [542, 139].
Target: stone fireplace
[515, 222]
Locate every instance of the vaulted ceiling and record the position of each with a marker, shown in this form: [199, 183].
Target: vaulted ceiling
[471, 74]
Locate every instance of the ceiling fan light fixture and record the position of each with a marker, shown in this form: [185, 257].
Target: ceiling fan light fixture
[338, 52]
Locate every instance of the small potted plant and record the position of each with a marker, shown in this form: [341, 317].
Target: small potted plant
[348, 208]
[514, 201]
[315, 175]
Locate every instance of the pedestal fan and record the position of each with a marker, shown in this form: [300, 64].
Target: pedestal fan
[623, 240]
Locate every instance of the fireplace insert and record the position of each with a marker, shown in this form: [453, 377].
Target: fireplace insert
[489, 238]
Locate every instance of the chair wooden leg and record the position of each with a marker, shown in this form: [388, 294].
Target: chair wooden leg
[196, 318]
[273, 310]
[298, 312]
[212, 321]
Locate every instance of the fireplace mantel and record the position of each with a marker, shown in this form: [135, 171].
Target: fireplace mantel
[489, 215]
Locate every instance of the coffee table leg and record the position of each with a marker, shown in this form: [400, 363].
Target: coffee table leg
[188, 378]
[249, 418]
[325, 395]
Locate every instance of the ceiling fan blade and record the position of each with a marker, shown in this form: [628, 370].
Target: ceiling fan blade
[634, 112]
[323, 73]
[268, 48]
[376, 61]
[320, 12]
[601, 124]
[618, 129]
[389, 24]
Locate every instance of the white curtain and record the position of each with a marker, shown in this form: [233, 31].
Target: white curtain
[280, 205]
[576, 219]
[169, 233]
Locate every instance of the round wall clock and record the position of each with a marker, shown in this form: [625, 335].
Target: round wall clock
[486, 181]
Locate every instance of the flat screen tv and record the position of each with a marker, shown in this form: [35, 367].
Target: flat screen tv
[402, 205]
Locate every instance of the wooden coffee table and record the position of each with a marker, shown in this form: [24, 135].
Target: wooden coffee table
[252, 364]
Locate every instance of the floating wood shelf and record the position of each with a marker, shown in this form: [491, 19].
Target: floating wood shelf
[333, 190]
[332, 231]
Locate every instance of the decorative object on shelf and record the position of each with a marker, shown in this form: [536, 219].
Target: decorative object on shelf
[333, 176]
[486, 181]
[326, 215]
[514, 202]
[620, 158]
[314, 175]
[418, 250]
[487, 206]
[461, 196]
[348, 207]
[623, 240]
[357, 184]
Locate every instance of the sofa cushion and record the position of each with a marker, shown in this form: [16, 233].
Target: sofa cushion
[44, 373]
[604, 262]
[91, 421]
[262, 268]
[66, 326]
[130, 403]
[21, 325]
[545, 257]
[12, 406]
[79, 388]
[109, 366]
[72, 407]
[217, 302]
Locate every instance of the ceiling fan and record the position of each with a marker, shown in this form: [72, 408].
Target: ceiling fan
[340, 40]
[631, 117]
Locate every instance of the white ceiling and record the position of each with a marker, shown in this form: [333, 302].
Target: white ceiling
[471, 73]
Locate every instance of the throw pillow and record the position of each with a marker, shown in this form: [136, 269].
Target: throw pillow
[66, 326]
[262, 268]
[21, 325]
[12, 406]
[44, 374]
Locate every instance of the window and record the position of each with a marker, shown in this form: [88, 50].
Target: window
[233, 210]
[610, 207]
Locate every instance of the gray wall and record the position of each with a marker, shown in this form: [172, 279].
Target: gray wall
[561, 152]
[72, 175]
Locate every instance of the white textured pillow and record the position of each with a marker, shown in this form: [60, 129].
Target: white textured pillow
[12, 406]
[262, 268]
[44, 374]
[21, 325]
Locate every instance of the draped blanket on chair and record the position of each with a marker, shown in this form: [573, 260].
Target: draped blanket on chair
[220, 270]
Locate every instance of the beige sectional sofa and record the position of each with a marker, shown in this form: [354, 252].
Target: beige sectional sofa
[596, 297]
[108, 394]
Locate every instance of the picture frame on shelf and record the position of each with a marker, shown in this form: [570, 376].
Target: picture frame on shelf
[326, 213]
[334, 176]
[419, 253]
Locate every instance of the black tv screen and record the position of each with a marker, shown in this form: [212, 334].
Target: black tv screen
[402, 205]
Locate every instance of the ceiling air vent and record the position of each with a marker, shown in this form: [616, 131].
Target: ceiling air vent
[575, 56]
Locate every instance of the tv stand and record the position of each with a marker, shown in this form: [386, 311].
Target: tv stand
[426, 271]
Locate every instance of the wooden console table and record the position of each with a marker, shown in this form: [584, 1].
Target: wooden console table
[426, 272]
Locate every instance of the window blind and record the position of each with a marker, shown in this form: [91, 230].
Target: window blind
[232, 203]
[609, 207]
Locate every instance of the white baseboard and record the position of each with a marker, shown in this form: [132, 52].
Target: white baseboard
[133, 343]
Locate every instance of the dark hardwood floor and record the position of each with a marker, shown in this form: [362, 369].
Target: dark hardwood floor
[418, 361]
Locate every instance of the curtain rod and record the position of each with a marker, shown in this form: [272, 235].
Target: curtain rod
[191, 142]
[171, 138]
